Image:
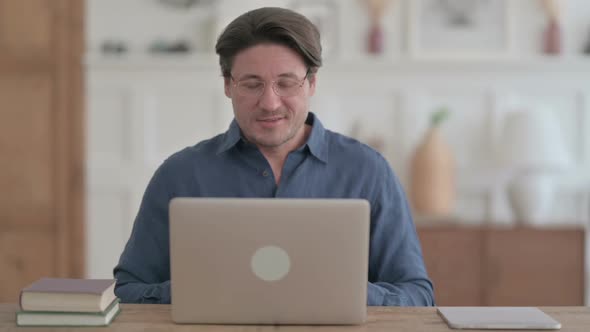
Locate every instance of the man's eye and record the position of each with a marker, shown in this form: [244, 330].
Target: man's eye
[252, 85]
[286, 84]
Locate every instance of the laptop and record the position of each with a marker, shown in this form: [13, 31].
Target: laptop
[498, 318]
[269, 261]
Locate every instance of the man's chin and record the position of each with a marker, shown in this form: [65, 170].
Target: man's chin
[270, 142]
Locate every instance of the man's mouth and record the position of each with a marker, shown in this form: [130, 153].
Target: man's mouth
[271, 119]
[270, 122]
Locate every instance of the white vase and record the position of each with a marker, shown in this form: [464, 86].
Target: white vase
[530, 196]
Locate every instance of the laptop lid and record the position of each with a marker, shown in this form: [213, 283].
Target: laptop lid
[269, 261]
[497, 318]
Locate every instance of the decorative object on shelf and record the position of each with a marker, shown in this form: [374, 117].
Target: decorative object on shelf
[552, 34]
[459, 13]
[375, 37]
[535, 151]
[432, 187]
[183, 4]
[114, 47]
[324, 15]
[164, 46]
[460, 28]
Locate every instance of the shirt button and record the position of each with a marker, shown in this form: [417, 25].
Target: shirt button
[265, 173]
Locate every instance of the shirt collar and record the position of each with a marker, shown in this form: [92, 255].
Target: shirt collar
[318, 146]
[231, 137]
[316, 141]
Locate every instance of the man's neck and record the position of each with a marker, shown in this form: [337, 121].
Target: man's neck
[276, 156]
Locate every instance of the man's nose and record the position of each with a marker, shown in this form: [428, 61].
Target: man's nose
[269, 100]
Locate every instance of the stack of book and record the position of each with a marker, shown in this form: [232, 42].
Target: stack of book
[68, 302]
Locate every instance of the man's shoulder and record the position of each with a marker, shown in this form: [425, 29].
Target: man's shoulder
[345, 148]
[360, 163]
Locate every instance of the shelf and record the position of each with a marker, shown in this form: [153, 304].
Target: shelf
[148, 61]
[577, 64]
[406, 64]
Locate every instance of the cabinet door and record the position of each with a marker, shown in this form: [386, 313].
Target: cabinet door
[24, 254]
[534, 267]
[41, 142]
[453, 260]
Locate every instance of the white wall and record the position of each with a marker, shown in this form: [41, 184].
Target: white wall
[142, 108]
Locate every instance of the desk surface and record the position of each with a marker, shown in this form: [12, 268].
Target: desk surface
[154, 317]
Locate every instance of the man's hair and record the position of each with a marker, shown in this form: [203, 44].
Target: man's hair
[270, 25]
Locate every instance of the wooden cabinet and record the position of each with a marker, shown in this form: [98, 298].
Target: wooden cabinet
[41, 142]
[475, 266]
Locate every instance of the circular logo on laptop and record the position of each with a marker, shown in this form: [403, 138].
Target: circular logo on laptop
[270, 263]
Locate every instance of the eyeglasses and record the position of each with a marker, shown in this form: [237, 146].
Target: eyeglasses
[283, 87]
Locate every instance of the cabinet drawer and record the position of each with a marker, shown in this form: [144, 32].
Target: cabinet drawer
[533, 267]
[453, 261]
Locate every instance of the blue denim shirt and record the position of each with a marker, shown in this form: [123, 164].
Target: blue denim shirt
[329, 165]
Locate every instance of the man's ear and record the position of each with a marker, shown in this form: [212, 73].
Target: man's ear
[312, 83]
[227, 86]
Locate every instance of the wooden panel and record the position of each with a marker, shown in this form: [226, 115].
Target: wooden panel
[24, 257]
[26, 27]
[26, 141]
[41, 141]
[532, 267]
[69, 137]
[453, 260]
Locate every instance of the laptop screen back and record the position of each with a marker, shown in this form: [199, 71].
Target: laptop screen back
[269, 261]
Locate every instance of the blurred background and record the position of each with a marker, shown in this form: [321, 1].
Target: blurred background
[482, 108]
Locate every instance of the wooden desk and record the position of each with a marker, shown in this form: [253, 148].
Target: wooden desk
[153, 317]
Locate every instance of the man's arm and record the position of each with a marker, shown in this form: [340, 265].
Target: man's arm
[397, 275]
[143, 272]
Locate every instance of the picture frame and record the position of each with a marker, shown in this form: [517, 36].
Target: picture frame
[460, 29]
[324, 15]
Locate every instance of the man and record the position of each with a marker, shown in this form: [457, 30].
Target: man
[275, 147]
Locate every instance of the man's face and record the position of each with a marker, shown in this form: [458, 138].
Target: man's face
[265, 118]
